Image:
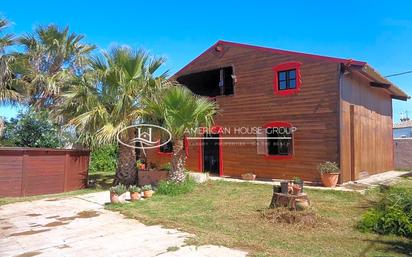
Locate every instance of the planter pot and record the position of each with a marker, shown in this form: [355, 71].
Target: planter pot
[114, 198]
[329, 179]
[148, 194]
[301, 185]
[134, 196]
[296, 189]
[301, 204]
[248, 176]
[284, 187]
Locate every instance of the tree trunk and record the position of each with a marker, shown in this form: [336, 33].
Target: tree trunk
[126, 168]
[177, 172]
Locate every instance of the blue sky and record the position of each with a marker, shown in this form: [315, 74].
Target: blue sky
[379, 33]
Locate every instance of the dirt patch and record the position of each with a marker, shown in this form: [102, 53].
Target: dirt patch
[33, 215]
[307, 218]
[35, 225]
[6, 227]
[29, 232]
[55, 224]
[80, 215]
[28, 254]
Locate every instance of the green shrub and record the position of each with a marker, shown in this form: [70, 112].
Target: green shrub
[392, 214]
[31, 129]
[147, 188]
[103, 159]
[173, 188]
[134, 189]
[328, 167]
[119, 189]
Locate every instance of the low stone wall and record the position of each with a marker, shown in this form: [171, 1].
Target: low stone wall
[403, 153]
[146, 177]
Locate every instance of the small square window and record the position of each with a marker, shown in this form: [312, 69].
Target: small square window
[287, 79]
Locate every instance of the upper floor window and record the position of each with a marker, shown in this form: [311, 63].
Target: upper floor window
[210, 83]
[287, 78]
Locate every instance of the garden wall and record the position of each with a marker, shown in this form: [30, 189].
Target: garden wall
[403, 153]
[35, 171]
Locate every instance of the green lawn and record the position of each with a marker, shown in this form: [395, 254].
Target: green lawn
[229, 214]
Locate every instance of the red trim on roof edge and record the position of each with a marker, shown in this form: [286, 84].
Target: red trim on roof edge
[277, 51]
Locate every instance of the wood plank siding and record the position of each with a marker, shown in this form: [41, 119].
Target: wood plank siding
[320, 111]
[367, 148]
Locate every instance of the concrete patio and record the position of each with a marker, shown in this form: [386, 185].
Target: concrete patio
[80, 226]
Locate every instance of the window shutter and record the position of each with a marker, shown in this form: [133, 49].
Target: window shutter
[261, 142]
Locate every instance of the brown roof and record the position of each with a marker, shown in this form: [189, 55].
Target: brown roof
[360, 67]
[403, 124]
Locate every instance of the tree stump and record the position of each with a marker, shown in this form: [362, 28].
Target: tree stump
[287, 200]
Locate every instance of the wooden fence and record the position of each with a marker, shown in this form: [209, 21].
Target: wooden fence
[35, 171]
[403, 153]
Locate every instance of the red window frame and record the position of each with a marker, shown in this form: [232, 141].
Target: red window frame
[284, 67]
[280, 157]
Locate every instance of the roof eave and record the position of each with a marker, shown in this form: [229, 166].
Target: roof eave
[377, 80]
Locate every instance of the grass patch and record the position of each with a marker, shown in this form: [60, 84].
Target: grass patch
[230, 214]
[173, 188]
[8, 200]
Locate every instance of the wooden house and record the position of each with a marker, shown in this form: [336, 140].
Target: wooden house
[340, 110]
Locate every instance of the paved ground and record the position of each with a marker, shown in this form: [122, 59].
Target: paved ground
[359, 185]
[79, 226]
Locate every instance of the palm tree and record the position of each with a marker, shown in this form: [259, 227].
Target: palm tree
[109, 98]
[179, 110]
[51, 59]
[8, 91]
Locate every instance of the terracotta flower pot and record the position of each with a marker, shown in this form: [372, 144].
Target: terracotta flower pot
[148, 194]
[329, 179]
[296, 189]
[134, 196]
[248, 176]
[114, 198]
[301, 204]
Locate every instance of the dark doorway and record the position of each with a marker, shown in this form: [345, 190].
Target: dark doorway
[211, 154]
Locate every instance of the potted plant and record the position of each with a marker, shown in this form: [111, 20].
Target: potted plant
[298, 181]
[134, 192]
[296, 189]
[248, 176]
[140, 165]
[147, 191]
[329, 173]
[117, 193]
